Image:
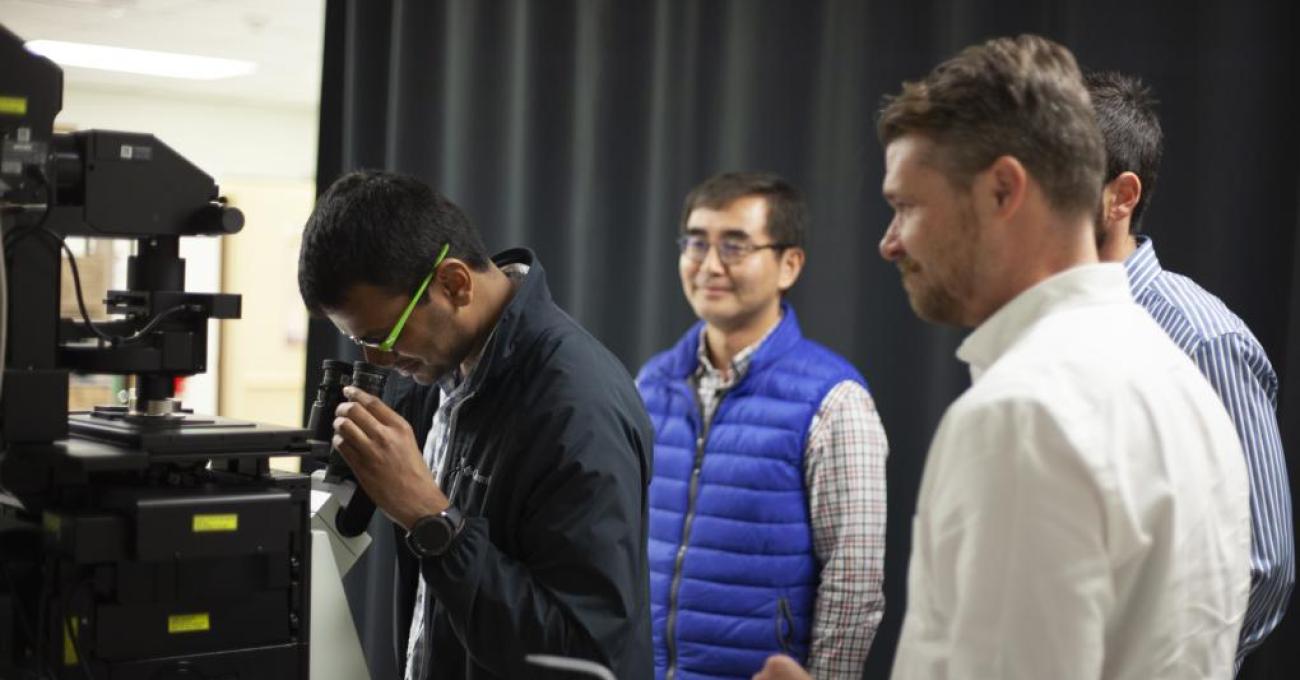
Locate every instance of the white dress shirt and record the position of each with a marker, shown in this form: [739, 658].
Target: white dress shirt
[1084, 510]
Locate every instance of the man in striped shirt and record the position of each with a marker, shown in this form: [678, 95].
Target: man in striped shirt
[1202, 326]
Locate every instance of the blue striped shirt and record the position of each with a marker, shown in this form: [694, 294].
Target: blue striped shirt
[1236, 366]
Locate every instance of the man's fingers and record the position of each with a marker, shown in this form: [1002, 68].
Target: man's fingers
[356, 460]
[344, 448]
[374, 405]
[351, 441]
[358, 414]
[781, 667]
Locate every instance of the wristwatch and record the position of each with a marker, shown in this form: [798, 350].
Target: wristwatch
[432, 535]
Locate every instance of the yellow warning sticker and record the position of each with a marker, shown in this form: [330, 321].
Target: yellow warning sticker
[188, 623]
[207, 523]
[13, 106]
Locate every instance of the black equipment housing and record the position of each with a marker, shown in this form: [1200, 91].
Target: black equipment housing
[133, 543]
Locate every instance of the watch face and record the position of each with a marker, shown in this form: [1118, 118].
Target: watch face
[431, 535]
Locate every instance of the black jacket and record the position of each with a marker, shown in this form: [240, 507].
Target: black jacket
[549, 462]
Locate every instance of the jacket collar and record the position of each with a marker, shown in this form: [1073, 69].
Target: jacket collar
[523, 319]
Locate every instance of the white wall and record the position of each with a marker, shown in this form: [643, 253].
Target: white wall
[263, 354]
[224, 137]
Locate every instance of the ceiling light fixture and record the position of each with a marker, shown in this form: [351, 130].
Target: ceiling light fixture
[143, 62]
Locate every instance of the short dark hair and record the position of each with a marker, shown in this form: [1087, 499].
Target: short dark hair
[382, 229]
[1022, 97]
[787, 213]
[1126, 114]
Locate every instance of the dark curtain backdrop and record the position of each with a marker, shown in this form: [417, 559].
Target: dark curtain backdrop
[576, 128]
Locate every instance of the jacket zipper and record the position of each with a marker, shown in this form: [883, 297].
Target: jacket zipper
[671, 635]
[446, 475]
[784, 626]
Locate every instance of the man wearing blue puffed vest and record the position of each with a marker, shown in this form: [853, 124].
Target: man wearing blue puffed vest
[767, 504]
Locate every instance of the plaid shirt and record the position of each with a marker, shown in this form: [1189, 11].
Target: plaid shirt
[844, 471]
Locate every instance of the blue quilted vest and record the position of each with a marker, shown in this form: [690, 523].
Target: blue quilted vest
[733, 578]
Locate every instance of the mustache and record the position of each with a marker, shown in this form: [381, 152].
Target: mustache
[907, 265]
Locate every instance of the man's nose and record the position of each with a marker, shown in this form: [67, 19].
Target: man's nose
[712, 262]
[378, 357]
[891, 246]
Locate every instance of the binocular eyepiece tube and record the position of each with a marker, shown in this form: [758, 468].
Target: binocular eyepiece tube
[353, 518]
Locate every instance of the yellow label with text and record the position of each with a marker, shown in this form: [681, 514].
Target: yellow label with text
[210, 523]
[188, 623]
[13, 106]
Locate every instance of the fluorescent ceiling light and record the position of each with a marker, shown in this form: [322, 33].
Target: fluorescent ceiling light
[144, 62]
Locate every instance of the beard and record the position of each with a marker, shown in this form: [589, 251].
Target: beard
[930, 301]
[427, 376]
[940, 292]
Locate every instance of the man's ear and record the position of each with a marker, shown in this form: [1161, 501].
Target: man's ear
[1120, 198]
[1000, 189]
[455, 280]
[791, 264]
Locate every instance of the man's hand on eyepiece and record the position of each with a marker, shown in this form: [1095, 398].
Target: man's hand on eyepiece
[381, 450]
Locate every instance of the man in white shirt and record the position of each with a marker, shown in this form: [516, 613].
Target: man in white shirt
[1084, 509]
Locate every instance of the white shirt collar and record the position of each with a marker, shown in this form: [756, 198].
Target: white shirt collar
[1075, 287]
